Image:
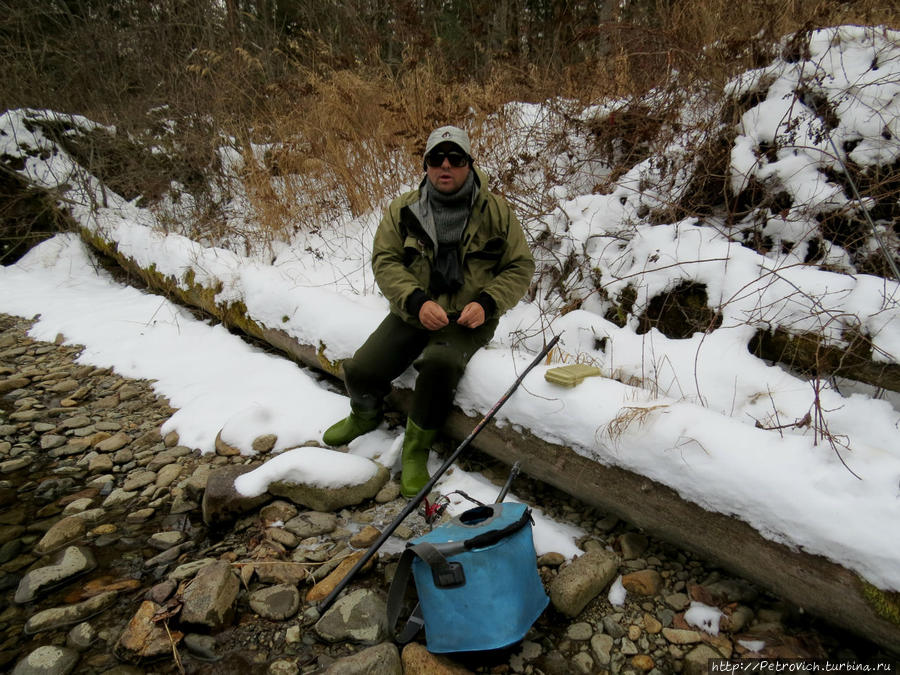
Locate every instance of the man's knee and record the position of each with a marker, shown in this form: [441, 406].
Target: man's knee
[441, 362]
[364, 383]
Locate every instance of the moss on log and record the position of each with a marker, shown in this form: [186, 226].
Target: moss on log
[808, 353]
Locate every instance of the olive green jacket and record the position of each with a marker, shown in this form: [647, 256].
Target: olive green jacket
[494, 253]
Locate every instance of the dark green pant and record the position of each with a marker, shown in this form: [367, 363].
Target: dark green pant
[440, 357]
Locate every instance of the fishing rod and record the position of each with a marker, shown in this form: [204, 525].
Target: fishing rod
[415, 501]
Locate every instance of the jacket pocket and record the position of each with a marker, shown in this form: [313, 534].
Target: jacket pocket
[492, 250]
[413, 249]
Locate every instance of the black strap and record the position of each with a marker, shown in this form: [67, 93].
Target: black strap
[492, 537]
[440, 567]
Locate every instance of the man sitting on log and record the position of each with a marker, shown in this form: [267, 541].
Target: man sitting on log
[450, 257]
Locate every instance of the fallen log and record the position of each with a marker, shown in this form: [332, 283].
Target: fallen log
[811, 582]
[809, 353]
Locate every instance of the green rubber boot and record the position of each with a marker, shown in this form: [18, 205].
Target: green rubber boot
[357, 423]
[414, 459]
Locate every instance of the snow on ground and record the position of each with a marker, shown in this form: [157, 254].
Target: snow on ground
[692, 422]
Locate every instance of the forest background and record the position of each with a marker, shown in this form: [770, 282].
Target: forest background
[373, 76]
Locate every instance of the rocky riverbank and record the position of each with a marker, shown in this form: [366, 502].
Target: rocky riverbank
[122, 551]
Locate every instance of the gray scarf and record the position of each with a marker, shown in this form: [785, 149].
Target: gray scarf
[451, 212]
[448, 215]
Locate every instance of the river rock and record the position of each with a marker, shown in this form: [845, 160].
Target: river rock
[64, 386]
[17, 464]
[322, 589]
[736, 619]
[612, 626]
[62, 532]
[12, 383]
[681, 636]
[140, 516]
[276, 602]
[91, 515]
[143, 638]
[160, 460]
[417, 660]
[50, 441]
[209, 599]
[73, 561]
[77, 506]
[115, 442]
[726, 591]
[117, 497]
[601, 646]
[388, 493]
[382, 659]
[360, 616]
[332, 499]
[168, 474]
[311, 524]
[221, 502]
[642, 582]
[77, 422]
[697, 660]
[281, 536]
[365, 537]
[677, 601]
[47, 660]
[138, 479]
[197, 482]
[56, 617]
[277, 572]
[203, 646]
[81, 637]
[643, 662]
[100, 464]
[580, 630]
[224, 449]
[278, 511]
[633, 545]
[582, 580]
[189, 570]
[651, 624]
[163, 541]
[263, 444]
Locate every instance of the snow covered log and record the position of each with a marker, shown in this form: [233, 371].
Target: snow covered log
[812, 582]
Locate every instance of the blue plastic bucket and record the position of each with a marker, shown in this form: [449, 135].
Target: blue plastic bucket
[477, 580]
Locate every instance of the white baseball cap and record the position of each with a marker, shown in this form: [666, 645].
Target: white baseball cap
[449, 134]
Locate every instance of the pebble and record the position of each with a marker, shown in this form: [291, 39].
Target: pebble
[580, 630]
[73, 561]
[277, 603]
[56, 617]
[202, 646]
[47, 660]
[166, 540]
[61, 533]
[81, 637]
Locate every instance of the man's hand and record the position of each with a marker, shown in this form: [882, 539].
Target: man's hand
[472, 315]
[433, 316]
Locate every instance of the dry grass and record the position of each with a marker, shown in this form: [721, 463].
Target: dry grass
[629, 416]
[343, 133]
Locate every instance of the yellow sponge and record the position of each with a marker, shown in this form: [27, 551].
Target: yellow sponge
[571, 375]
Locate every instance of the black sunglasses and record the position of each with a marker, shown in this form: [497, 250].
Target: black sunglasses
[457, 159]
